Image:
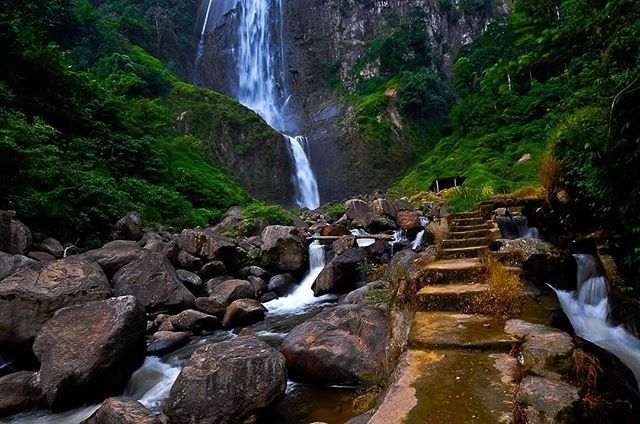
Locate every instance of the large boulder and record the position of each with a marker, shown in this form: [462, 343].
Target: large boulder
[341, 345]
[359, 212]
[31, 296]
[88, 352]
[10, 264]
[190, 320]
[162, 342]
[230, 290]
[243, 312]
[20, 392]
[52, 247]
[548, 401]
[227, 382]
[408, 220]
[116, 254]
[163, 243]
[154, 282]
[206, 244]
[15, 237]
[190, 280]
[341, 274]
[385, 207]
[284, 249]
[281, 283]
[122, 411]
[129, 227]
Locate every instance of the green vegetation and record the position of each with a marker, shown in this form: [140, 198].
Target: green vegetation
[87, 120]
[335, 210]
[274, 214]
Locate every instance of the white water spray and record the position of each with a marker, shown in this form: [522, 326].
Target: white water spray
[588, 310]
[307, 195]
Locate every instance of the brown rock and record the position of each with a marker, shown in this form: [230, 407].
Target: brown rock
[385, 207]
[164, 244]
[227, 382]
[284, 249]
[116, 254]
[408, 220]
[343, 244]
[10, 264]
[231, 290]
[122, 411]
[166, 341]
[188, 261]
[52, 247]
[29, 297]
[548, 401]
[20, 392]
[41, 256]
[281, 283]
[243, 312]
[206, 244]
[193, 321]
[129, 227]
[334, 230]
[341, 274]
[212, 269]
[210, 305]
[359, 212]
[15, 237]
[88, 352]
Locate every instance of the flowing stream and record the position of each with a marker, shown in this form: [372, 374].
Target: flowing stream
[588, 310]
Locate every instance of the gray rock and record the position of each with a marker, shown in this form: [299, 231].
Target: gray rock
[230, 290]
[52, 247]
[284, 249]
[359, 296]
[281, 283]
[243, 312]
[206, 244]
[31, 296]
[166, 341]
[88, 352]
[227, 382]
[359, 212]
[212, 269]
[15, 237]
[116, 254]
[20, 392]
[122, 411]
[256, 271]
[259, 285]
[190, 280]
[188, 261]
[385, 207]
[341, 274]
[192, 321]
[129, 227]
[10, 264]
[548, 401]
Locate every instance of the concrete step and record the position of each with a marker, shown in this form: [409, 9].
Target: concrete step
[466, 242]
[451, 330]
[484, 232]
[464, 215]
[435, 387]
[457, 228]
[449, 297]
[447, 271]
[466, 221]
[463, 252]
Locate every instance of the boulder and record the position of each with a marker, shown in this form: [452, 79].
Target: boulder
[334, 230]
[88, 352]
[210, 305]
[255, 271]
[190, 280]
[281, 283]
[284, 249]
[215, 282]
[31, 296]
[166, 341]
[154, 282]
[20, 392]
[206, 244]
[52, 247]
[162, 243]
[341, 345]
[259, 285]
[409, 220]
[343, 244]
[188, 261]
[122, 411]
[359, 212]
[243, 312]
[227, 382]
[548, 401]
[341, 274]
[268, 297]
[191, 320]
[385, 207]
[231, 290]
[40, 256]
[129, 227]
[15, 237]
[116, 254]
[212, 269]
[359, 296]
[10, 264]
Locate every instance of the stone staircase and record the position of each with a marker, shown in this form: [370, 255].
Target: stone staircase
[450, 372]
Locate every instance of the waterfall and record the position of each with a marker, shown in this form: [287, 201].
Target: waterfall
[262, 86]
[516, 226]
[200, 48]
[420, 236]
[588, 310]
[302, 296]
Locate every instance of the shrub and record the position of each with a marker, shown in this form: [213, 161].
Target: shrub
[274, 214]
[335, 210]
[505, 296]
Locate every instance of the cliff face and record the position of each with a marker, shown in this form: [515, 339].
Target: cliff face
[326, 44]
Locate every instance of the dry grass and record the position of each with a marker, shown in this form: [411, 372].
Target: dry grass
[524, 193]
[505, 297]
[585, 369]
[439, 229]
[368, 399]
[550, 175]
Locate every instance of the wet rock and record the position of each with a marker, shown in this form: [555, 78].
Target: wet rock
[385, 207]
[543, 348]
[10, 264]
[243, 312]
[215, 282]
[255, 271]
[166, 341]
[212, 269]
[408, 220]
[341, 274]
[20, 392]
[190, 280]
[122, 411]
[281, 283]
[188, 261]
[334, 230]
[116, 254]
[548, 401]
[15, 237]
[341, 345]
[268, 297]
[154, 282]
[359, 296]
[359, 212]
[129, 227]
[29, 297]
[210, 305]
[52, 247]
[231, 290]
[164, 244]
[88, 352]
[190, 320]
[259, 285]
[343, 244]
[206, 244]
[284, 249]
[227, 382]
[40, 256]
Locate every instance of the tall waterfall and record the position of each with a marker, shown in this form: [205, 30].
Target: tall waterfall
[588, 311]
[261, 83]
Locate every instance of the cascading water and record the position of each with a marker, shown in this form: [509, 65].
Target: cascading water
[362, 242]
[588, 310]
[200, 48]
[306, 184]
[302, 296]
[516, 226]
[420, 236]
